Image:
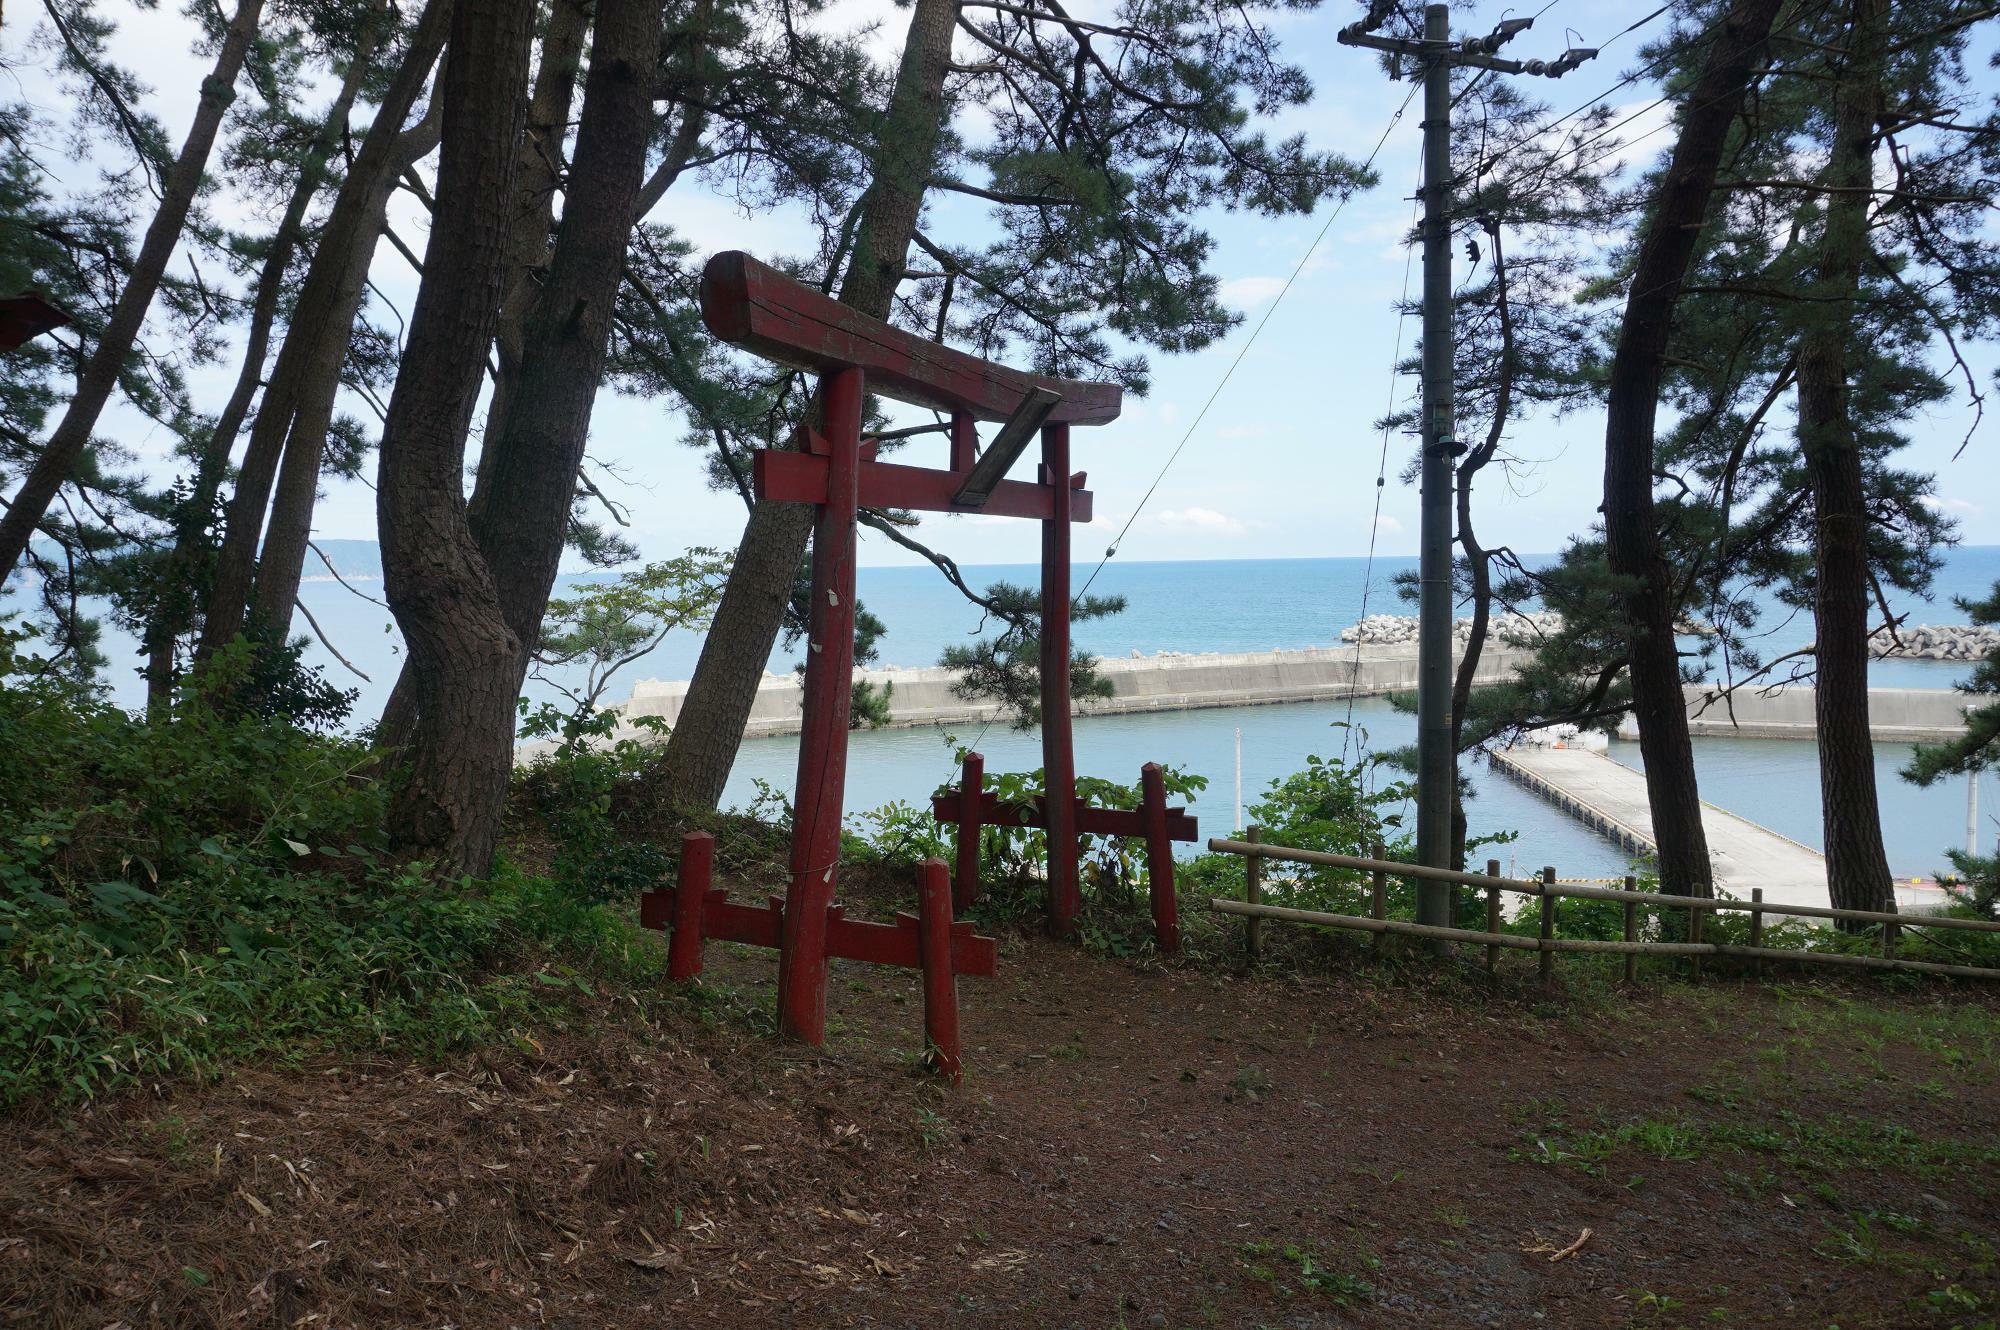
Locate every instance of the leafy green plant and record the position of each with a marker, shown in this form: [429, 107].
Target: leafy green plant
[213, 885]
[574, 787]
[1333, 806]
[607, 626]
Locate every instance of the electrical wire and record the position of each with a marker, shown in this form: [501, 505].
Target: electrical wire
[1381, 472]
[1242, 351]
[1479, 168]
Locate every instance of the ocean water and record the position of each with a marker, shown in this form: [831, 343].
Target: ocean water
[1245, 605]
[1214, 605]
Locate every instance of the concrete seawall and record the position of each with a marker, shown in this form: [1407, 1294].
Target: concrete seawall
[1169, 681]
[1895, 715]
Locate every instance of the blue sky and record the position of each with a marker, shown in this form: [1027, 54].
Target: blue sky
[1283, 465]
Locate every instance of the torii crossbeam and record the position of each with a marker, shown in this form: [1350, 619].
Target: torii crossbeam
[762, 310]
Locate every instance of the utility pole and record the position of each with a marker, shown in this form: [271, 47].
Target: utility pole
[1437, 753]
[1437, 758]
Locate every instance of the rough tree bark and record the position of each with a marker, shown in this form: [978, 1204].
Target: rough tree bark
[535, 193]
[1478, 559]
[306, 375]
[533, 217]
[1857, 865]
[99, 376]
[448, 803]
[213, 466]
[1631, 532]
[520, 516]
[702, 748]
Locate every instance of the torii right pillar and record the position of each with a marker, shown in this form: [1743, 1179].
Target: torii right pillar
[1058, 754]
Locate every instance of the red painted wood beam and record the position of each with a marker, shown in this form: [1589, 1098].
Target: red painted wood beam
[695, 880]
[969, 805]
[711, 914]
[934, 932]
[25, 317]
[760, 309]
[829, 691]
[901, 944]
[799, 477]
[1090, 821]
[1159, 859]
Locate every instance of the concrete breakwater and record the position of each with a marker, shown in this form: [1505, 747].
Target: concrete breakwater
[1939, 642]
[1895, 715]
[1168, 681]
[1967, 642]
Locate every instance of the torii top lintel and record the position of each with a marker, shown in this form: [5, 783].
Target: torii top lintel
[756, 307]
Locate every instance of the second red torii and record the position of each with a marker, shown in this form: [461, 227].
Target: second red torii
[760, 309]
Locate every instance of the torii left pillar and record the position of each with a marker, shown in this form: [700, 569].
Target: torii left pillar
[820, 792]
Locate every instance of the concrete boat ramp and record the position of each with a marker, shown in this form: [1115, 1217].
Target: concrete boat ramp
[1610, 797]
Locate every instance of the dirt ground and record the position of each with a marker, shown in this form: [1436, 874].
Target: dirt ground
[1133, 1145]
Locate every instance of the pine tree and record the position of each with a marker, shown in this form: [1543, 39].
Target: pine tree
[59, 456]
[288, 439]
[448, 804]
[1107, 138]
[518, 518]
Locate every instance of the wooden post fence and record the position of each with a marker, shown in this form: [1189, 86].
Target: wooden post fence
[1629, 947]
[1253, 892]
[1757, 930]
[1492, 915]
[1631, 930]
[1378, 903]
[1546, 961]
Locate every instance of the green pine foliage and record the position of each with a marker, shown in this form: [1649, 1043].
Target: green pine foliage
[1006, 668]
[1979, 747]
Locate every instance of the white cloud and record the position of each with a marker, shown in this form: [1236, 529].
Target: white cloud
[1940, 505]
[1196, 518]
[1246, 292]
[1388, 525]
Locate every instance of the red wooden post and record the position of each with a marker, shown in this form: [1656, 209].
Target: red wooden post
[971, 786]
[1058, 753]
[829, 688]
[1159, 859]
[940, 983]
[690, 892]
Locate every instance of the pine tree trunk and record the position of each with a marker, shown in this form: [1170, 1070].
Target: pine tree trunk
[529, 251]
[99, 377]
[1478, 561]
[308, 365]
[702, 748]
[534, 200]
[1857, 865]
[521, 515]
[171, 620]
[1631, 530]
[449, 804]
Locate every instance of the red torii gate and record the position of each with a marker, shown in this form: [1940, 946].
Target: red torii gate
[760, 309]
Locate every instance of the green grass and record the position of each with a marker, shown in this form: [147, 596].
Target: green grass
[1804, 1145]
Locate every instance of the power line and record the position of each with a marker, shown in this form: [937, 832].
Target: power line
[1382, 471]
[1242, 351]
[1623, 121]
[1484, 163]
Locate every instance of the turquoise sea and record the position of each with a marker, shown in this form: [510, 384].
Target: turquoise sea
[1246, 605]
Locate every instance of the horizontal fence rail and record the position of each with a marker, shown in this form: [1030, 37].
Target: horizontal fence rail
[1548, 891]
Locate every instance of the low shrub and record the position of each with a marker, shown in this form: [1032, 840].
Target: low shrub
[179, 893]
